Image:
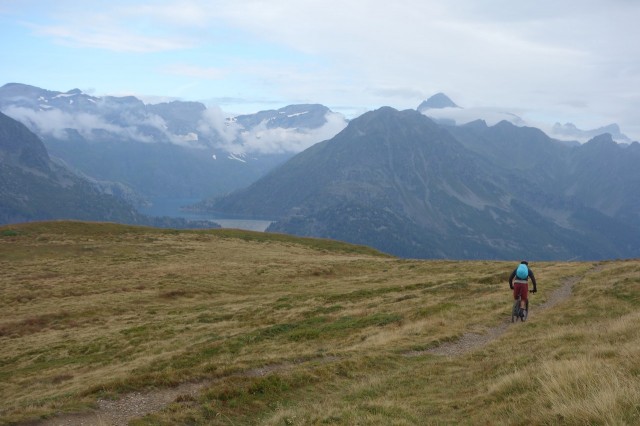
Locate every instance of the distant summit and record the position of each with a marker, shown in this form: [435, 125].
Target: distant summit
[569, 130]
[437, 101]
[293, 116]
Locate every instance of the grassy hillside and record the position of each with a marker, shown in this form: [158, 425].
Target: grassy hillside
[278, 330]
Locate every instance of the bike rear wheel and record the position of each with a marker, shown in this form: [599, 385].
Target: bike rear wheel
[515, 311]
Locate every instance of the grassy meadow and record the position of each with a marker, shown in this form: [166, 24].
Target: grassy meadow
[338, 333]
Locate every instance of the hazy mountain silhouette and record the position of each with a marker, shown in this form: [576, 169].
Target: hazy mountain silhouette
[437, 101]
[32, 187]
[399, 182]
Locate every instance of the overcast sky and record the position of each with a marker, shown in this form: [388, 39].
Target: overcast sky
[546, 61]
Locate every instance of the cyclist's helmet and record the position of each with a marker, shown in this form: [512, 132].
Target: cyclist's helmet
[525, 262]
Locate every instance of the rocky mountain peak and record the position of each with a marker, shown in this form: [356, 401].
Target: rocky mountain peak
[437, 101]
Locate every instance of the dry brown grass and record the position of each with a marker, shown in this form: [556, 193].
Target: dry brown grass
[95, 310]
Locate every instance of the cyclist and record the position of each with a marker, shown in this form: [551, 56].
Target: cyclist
[519, 283]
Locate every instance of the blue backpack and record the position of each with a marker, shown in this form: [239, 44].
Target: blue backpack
[522, 272]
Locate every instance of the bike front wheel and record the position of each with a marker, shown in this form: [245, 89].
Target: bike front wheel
[515, 311]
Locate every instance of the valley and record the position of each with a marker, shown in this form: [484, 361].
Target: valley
[175, 208]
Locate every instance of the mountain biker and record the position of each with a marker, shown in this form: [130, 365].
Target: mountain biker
[519, 283]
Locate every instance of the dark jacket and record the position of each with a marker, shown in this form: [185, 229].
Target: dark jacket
[533, 278]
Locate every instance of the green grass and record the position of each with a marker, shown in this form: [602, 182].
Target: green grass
[93, 310]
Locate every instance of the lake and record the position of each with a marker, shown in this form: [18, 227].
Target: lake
[171, 207]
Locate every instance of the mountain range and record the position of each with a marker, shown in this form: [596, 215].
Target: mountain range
[394, 180]
[402, 183]
[443, 110]
[172, 149]
[570, 130]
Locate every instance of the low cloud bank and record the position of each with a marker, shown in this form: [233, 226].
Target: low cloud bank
[461, 116]
[492, 116]
[214, 130]
[57, 123]
[261, 139]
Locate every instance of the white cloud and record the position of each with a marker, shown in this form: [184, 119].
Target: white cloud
[529, 56]
[141, 126]
[110, 38]
[209, 73]
[461, 116]
[534, 56]
[55, 122]
[181, 13]
[281, 140]
[214, 123]
[264, 140]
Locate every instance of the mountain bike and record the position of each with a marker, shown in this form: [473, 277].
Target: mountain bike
[517, 312]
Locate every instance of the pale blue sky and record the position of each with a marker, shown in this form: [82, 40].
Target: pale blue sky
[546, 61]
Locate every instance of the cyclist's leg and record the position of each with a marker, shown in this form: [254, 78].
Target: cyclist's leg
[525, 301]
[517, 304]
[519, 294]
[524, 295]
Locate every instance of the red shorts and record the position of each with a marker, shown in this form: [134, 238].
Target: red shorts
[521, 289]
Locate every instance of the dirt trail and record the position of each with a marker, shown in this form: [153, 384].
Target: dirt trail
[138, 404]
[130, 406]
[471, 341]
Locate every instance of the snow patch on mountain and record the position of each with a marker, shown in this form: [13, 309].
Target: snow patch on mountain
[237, 157]
[297, 114]
[64, 95]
